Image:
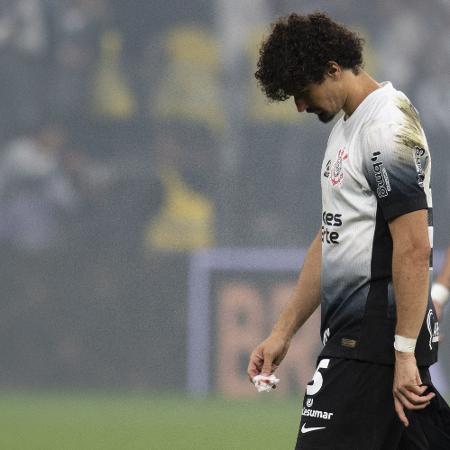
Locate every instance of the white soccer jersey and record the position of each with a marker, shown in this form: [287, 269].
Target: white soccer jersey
[376, 167]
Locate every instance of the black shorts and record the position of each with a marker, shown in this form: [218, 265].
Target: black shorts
[349, 406]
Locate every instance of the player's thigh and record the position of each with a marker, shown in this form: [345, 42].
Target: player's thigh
[349, 405]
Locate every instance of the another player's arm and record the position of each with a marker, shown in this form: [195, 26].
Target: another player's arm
[444, 276]
[303, 302]
[441, 288]
[410, 272]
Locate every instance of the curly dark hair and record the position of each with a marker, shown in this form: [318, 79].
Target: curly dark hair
[298, 50]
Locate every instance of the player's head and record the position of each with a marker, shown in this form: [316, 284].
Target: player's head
[306, 57]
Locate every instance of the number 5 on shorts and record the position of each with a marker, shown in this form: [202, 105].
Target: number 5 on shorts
[314, 388]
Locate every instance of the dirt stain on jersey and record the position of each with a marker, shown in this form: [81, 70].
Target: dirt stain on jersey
[411, 133]
[411, 148]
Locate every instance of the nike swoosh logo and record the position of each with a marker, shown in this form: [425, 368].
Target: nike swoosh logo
[307, 430]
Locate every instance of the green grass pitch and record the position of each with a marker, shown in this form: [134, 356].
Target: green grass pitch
[82, 421]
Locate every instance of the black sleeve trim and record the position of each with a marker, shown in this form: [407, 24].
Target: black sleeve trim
[392, 210]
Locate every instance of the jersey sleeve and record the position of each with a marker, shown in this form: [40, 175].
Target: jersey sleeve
[395, 164]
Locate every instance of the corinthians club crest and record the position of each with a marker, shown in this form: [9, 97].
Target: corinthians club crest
[337, 169]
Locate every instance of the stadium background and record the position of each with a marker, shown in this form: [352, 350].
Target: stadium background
[154, 210]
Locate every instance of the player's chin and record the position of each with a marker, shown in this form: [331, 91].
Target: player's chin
[325, 117]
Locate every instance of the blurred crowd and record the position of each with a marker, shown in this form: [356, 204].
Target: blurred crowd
[132, 133]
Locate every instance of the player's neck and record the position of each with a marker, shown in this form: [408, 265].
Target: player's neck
[359, 87]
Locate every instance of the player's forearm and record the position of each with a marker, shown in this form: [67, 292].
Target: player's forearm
[410, 271]
[306, 296]
[444, 276]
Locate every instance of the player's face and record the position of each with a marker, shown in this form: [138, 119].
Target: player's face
[324, 99]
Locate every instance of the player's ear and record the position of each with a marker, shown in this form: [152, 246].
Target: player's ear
[334, 70]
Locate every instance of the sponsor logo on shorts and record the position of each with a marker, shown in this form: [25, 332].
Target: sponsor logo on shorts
[317, 413]
[381, 176]
[306, 429]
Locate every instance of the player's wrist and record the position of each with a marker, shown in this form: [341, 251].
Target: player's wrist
[282, 335]
[404, 359]
[404, 345]
[440, 293]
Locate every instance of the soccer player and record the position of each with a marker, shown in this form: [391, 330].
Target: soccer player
[369, 264]
[440, 290]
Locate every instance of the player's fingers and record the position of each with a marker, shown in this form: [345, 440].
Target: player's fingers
[400, 412]
[267, 368]
[416, 388]
[253, 369]
[414, 398]
[407, 403]
[254, 365]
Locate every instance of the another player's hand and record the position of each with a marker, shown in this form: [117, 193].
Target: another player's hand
[407, 389]
[438, 309]
[267, 356]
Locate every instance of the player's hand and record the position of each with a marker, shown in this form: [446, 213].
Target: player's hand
[438, 309]
[407, 389]
[267, 356]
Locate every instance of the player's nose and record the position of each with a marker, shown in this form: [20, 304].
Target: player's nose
[300, 104]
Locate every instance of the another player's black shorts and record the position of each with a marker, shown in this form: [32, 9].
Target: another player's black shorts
[349, 406]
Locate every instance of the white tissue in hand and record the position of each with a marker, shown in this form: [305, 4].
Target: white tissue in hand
[264, 383]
